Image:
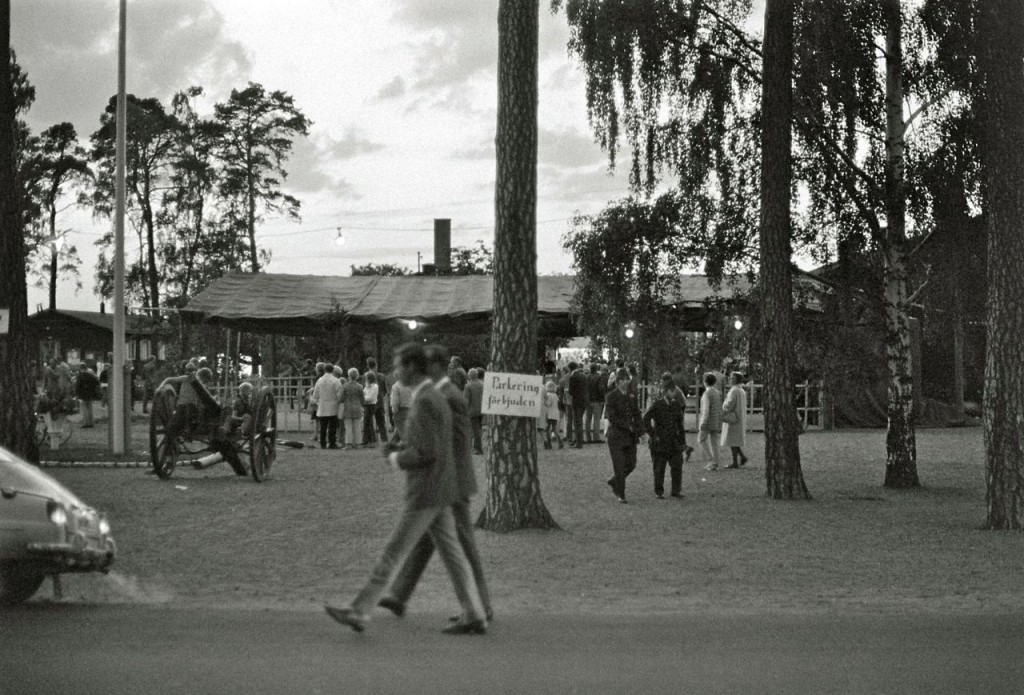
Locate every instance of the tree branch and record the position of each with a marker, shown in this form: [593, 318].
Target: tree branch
[733, 29]
[931, 102]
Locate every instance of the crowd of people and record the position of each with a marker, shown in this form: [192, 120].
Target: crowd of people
[599, 402]
[354, 409]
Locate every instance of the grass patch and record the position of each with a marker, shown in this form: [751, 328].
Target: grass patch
[312, 533]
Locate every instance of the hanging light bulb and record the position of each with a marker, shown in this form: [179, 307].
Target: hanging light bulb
[737, 324]
[339, 240]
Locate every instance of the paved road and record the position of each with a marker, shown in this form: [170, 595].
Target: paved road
[134, 649]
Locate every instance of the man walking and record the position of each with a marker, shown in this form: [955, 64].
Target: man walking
[405, 582]
[431, 489]
[474, 394]
[624, 430]
[663, 421]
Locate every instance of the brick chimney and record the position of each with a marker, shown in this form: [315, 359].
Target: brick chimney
[443, 246]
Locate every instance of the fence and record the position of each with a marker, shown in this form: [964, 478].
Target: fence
[290, 391]
[806, 396]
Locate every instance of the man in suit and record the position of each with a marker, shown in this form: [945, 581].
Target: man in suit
[457, 373]
[431, 487]
[579, 399]
[624, 429]
[474, 393]
[663, 421]
[405, 582]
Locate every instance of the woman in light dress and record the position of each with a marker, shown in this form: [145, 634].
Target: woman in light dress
[709, 426]
[734, 419]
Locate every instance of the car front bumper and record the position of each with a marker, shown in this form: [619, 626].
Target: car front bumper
[72, 557]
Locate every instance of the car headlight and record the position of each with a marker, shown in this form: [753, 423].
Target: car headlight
[104, 526]
[57, 513]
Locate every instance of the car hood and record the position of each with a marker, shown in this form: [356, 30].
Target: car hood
[19, 476]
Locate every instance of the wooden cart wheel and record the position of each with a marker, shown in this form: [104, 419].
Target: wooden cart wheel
[263, 439]
[162, 447]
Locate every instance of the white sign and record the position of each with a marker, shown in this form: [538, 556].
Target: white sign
[515, 395]
[5, 321]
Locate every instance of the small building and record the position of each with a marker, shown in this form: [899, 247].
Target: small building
[78, 336]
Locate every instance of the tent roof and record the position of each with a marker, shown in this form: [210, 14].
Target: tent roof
[302, 304]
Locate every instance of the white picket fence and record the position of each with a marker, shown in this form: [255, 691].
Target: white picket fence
[289, 394]
[807, 397]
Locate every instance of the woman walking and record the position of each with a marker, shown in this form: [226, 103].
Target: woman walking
[710, 424]
[734, 418]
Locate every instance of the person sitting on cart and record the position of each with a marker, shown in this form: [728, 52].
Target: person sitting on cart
[240, 422]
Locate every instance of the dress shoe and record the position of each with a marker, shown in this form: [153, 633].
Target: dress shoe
[678, 495]
[346, 616]
[623, 500]
[473, 627]
[489, 613]
[396, 607]
[659, 495]
[733, 465]
[743, 461]
[689, 453]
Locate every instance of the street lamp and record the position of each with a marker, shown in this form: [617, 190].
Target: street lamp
[737, 324]
[339, 240]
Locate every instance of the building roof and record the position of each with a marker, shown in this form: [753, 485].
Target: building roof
[134, 325]
[303, 304]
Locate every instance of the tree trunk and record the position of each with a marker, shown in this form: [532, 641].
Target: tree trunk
[513, 485]
[900, 441]
[783, 474]
[52, 203]
[17, 419]
[1002, 24]
[958, 353]
[250, 217]
[153, 273]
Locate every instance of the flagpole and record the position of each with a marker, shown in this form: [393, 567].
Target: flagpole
[117, 376]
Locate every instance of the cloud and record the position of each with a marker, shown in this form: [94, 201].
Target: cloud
[314, 160]
[584, 188]
[568, 149]
[69, 50]
[457, 42]
[392, 90]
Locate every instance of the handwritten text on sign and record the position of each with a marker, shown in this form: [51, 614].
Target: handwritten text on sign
[515, 395]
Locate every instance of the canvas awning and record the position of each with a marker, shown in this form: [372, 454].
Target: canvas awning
[307, 304]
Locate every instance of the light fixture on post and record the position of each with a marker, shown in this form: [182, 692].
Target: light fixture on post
[339, 240]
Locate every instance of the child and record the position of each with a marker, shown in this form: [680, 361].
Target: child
[551, 414]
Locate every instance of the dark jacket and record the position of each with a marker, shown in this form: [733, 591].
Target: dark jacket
[597, 386]
[87, 386]
[426, 456]
[579, 391]
[623, 417]
[663, 420]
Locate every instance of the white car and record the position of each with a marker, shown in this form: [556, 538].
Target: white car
[45, 530]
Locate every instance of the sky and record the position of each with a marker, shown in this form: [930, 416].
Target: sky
[402, 95]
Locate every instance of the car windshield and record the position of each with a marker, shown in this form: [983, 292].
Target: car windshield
[17, 475]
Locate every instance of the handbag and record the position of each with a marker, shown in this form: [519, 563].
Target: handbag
[730, 417]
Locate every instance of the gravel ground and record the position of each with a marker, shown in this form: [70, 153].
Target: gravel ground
[312, 533]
